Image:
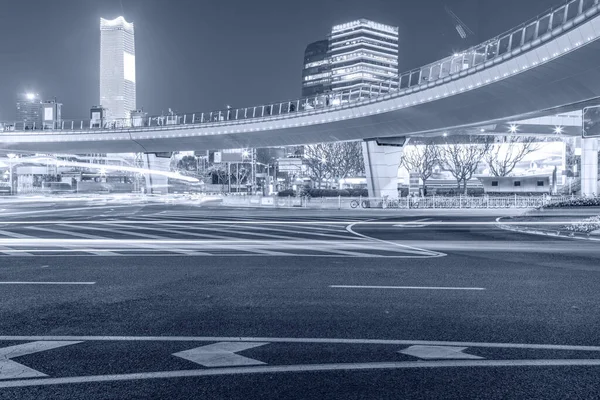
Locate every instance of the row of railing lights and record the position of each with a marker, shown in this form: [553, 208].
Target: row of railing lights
[557, 130]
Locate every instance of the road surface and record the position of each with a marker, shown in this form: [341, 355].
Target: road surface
[114, 300]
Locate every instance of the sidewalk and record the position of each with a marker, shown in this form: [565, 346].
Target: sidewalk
[558, 222]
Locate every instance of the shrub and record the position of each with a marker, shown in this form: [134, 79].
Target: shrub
[576, 202]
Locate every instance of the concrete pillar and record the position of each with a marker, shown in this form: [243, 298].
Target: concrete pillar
[155, 183]
[589, 167]
[381, 167]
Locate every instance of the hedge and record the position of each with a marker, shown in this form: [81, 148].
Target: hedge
[576, 202]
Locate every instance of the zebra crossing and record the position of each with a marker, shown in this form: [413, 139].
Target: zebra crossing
[187, 234]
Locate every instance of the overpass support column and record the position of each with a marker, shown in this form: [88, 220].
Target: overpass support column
[155, 183]
[589, 167]
[382, 159]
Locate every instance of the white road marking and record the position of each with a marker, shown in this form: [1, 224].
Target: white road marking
[55, 210]
[9, 251]
[15, 235]
[439, 353]
[185, 233]
[415, 224]
[293, 232]
[301, 368]
[70, 233]
[47, 283]
[174, 249]
[423, 251]
[11, 370]
[404, 287]
[221, 354]
[391, 342]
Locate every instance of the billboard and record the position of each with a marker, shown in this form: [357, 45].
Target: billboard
[591, 122]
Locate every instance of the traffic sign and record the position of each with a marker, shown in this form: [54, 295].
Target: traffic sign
[591, 122]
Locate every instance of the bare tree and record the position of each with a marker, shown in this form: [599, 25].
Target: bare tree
[504, 156]
[315, 158]
[326, 161]
[421, 160]
[461, 157]
[345, 159]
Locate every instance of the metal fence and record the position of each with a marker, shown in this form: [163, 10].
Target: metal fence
[434, 202]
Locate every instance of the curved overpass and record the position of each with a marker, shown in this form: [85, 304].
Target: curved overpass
[548, 65]
[545, 66]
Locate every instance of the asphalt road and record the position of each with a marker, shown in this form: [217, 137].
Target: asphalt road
[111, 300]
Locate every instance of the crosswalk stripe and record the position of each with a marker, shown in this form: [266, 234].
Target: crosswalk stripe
[70, 233]
[183, 233]
[175, 250]
[261, 251]
[270, 228]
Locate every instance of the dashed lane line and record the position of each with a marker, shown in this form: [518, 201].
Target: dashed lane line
[46, 283]
[404, 287]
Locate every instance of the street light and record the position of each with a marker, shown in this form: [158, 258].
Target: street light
[10, 158]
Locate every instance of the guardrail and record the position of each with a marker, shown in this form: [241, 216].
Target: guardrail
[357, 203]
[524, 37]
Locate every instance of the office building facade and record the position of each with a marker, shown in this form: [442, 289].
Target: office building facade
[29, 111]
[316, 74]
[355, 54]
[363, 52]
[117, 68]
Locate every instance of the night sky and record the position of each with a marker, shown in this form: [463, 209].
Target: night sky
[199, 55]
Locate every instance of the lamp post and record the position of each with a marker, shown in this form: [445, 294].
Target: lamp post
[10, 164]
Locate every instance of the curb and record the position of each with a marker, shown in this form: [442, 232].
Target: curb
[545, 232]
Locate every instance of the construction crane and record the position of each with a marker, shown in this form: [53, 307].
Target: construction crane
[463, 30]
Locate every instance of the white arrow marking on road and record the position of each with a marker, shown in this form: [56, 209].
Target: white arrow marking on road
[10, 369]
[221, 354]
[439, 352]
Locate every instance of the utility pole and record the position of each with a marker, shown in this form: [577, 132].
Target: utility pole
[228, 177]
[253, 171]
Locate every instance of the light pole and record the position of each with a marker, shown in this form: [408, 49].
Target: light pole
[10, 164]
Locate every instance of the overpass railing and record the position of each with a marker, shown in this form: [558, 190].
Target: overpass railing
[520, 39]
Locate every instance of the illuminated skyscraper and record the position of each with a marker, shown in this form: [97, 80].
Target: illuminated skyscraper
[316, 75]
[363, 52]
[117, 67]
[29, 111]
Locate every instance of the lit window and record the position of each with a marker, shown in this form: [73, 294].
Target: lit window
[129, 67]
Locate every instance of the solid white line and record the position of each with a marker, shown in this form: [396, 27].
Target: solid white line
[404, 287]
[300, 368]
[47, 283]
[393, 342]
[427, 252]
